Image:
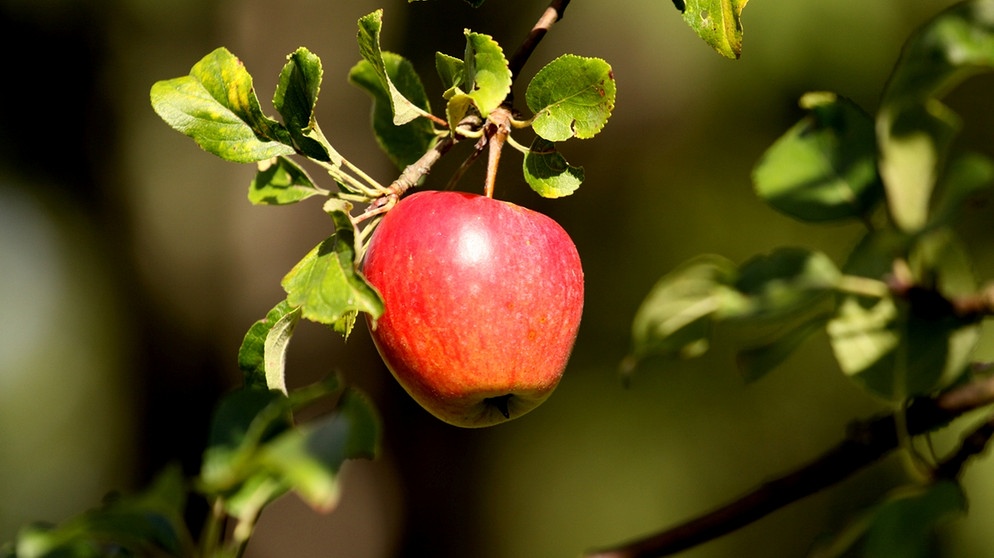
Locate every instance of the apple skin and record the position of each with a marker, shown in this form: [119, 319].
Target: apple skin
[482, 304]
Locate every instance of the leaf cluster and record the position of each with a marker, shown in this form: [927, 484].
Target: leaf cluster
[257, 451]
[216, 105]
[903, 312]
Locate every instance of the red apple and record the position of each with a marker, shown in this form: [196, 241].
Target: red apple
[483, 301]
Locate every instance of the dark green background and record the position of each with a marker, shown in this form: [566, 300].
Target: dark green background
[131, 265]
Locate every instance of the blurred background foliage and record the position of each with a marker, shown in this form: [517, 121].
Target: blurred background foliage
[131, 266]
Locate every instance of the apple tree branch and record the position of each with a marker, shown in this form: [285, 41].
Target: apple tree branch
[866, 443]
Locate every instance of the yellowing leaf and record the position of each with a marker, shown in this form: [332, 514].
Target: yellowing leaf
[718, 22]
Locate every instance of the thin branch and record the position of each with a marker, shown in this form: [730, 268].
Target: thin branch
[414, 172]
[551, 15]
[973, 444]
[866, 443]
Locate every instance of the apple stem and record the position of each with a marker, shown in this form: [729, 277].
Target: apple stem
[501, 403]
[498, 128]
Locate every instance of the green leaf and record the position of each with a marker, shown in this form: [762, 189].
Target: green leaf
[914, 128]
[901, 526]
[295, 98]
[216, 105]
[255, 454]
[895, 348]
[824, 167]
[571, 96]
[966, 176]
[785, 281]
[406, 143]
[487, 77]
[452, 73]
[326, 284]
[759, 360]
[263, 352]
[309, 457]
[676, 317]
[718, 22]
[280, 181]
[548, 173]
[146, 524]
[242, 420]
[913, 145]
[458, 107]
[403, 109]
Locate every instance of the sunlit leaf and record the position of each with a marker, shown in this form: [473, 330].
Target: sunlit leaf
[452, 73]
[458, 107]
[901, 348]
[404, 144]
[262, 354]
[571, 96]
[487, 77]
[677, 315]
[547, 171]
[825, 167]
[216, 105]
[295, 97]
[913, 145]
[326, 284]
[718, 22]
[914, 128]
[280, 181]
[404, 109]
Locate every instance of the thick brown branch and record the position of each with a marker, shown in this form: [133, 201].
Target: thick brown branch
[866, 443]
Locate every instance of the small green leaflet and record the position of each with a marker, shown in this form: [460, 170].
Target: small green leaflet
[451, 71]
[914, 128]
[326, 285]
[216, 105]
[262, 355]
[280, 181]
[370, 25]
[406, 143]
[572, 96]
[718, 22]
[548, 173]
[482, 79]
[825, 167]
[295, 98]
[487, 76]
